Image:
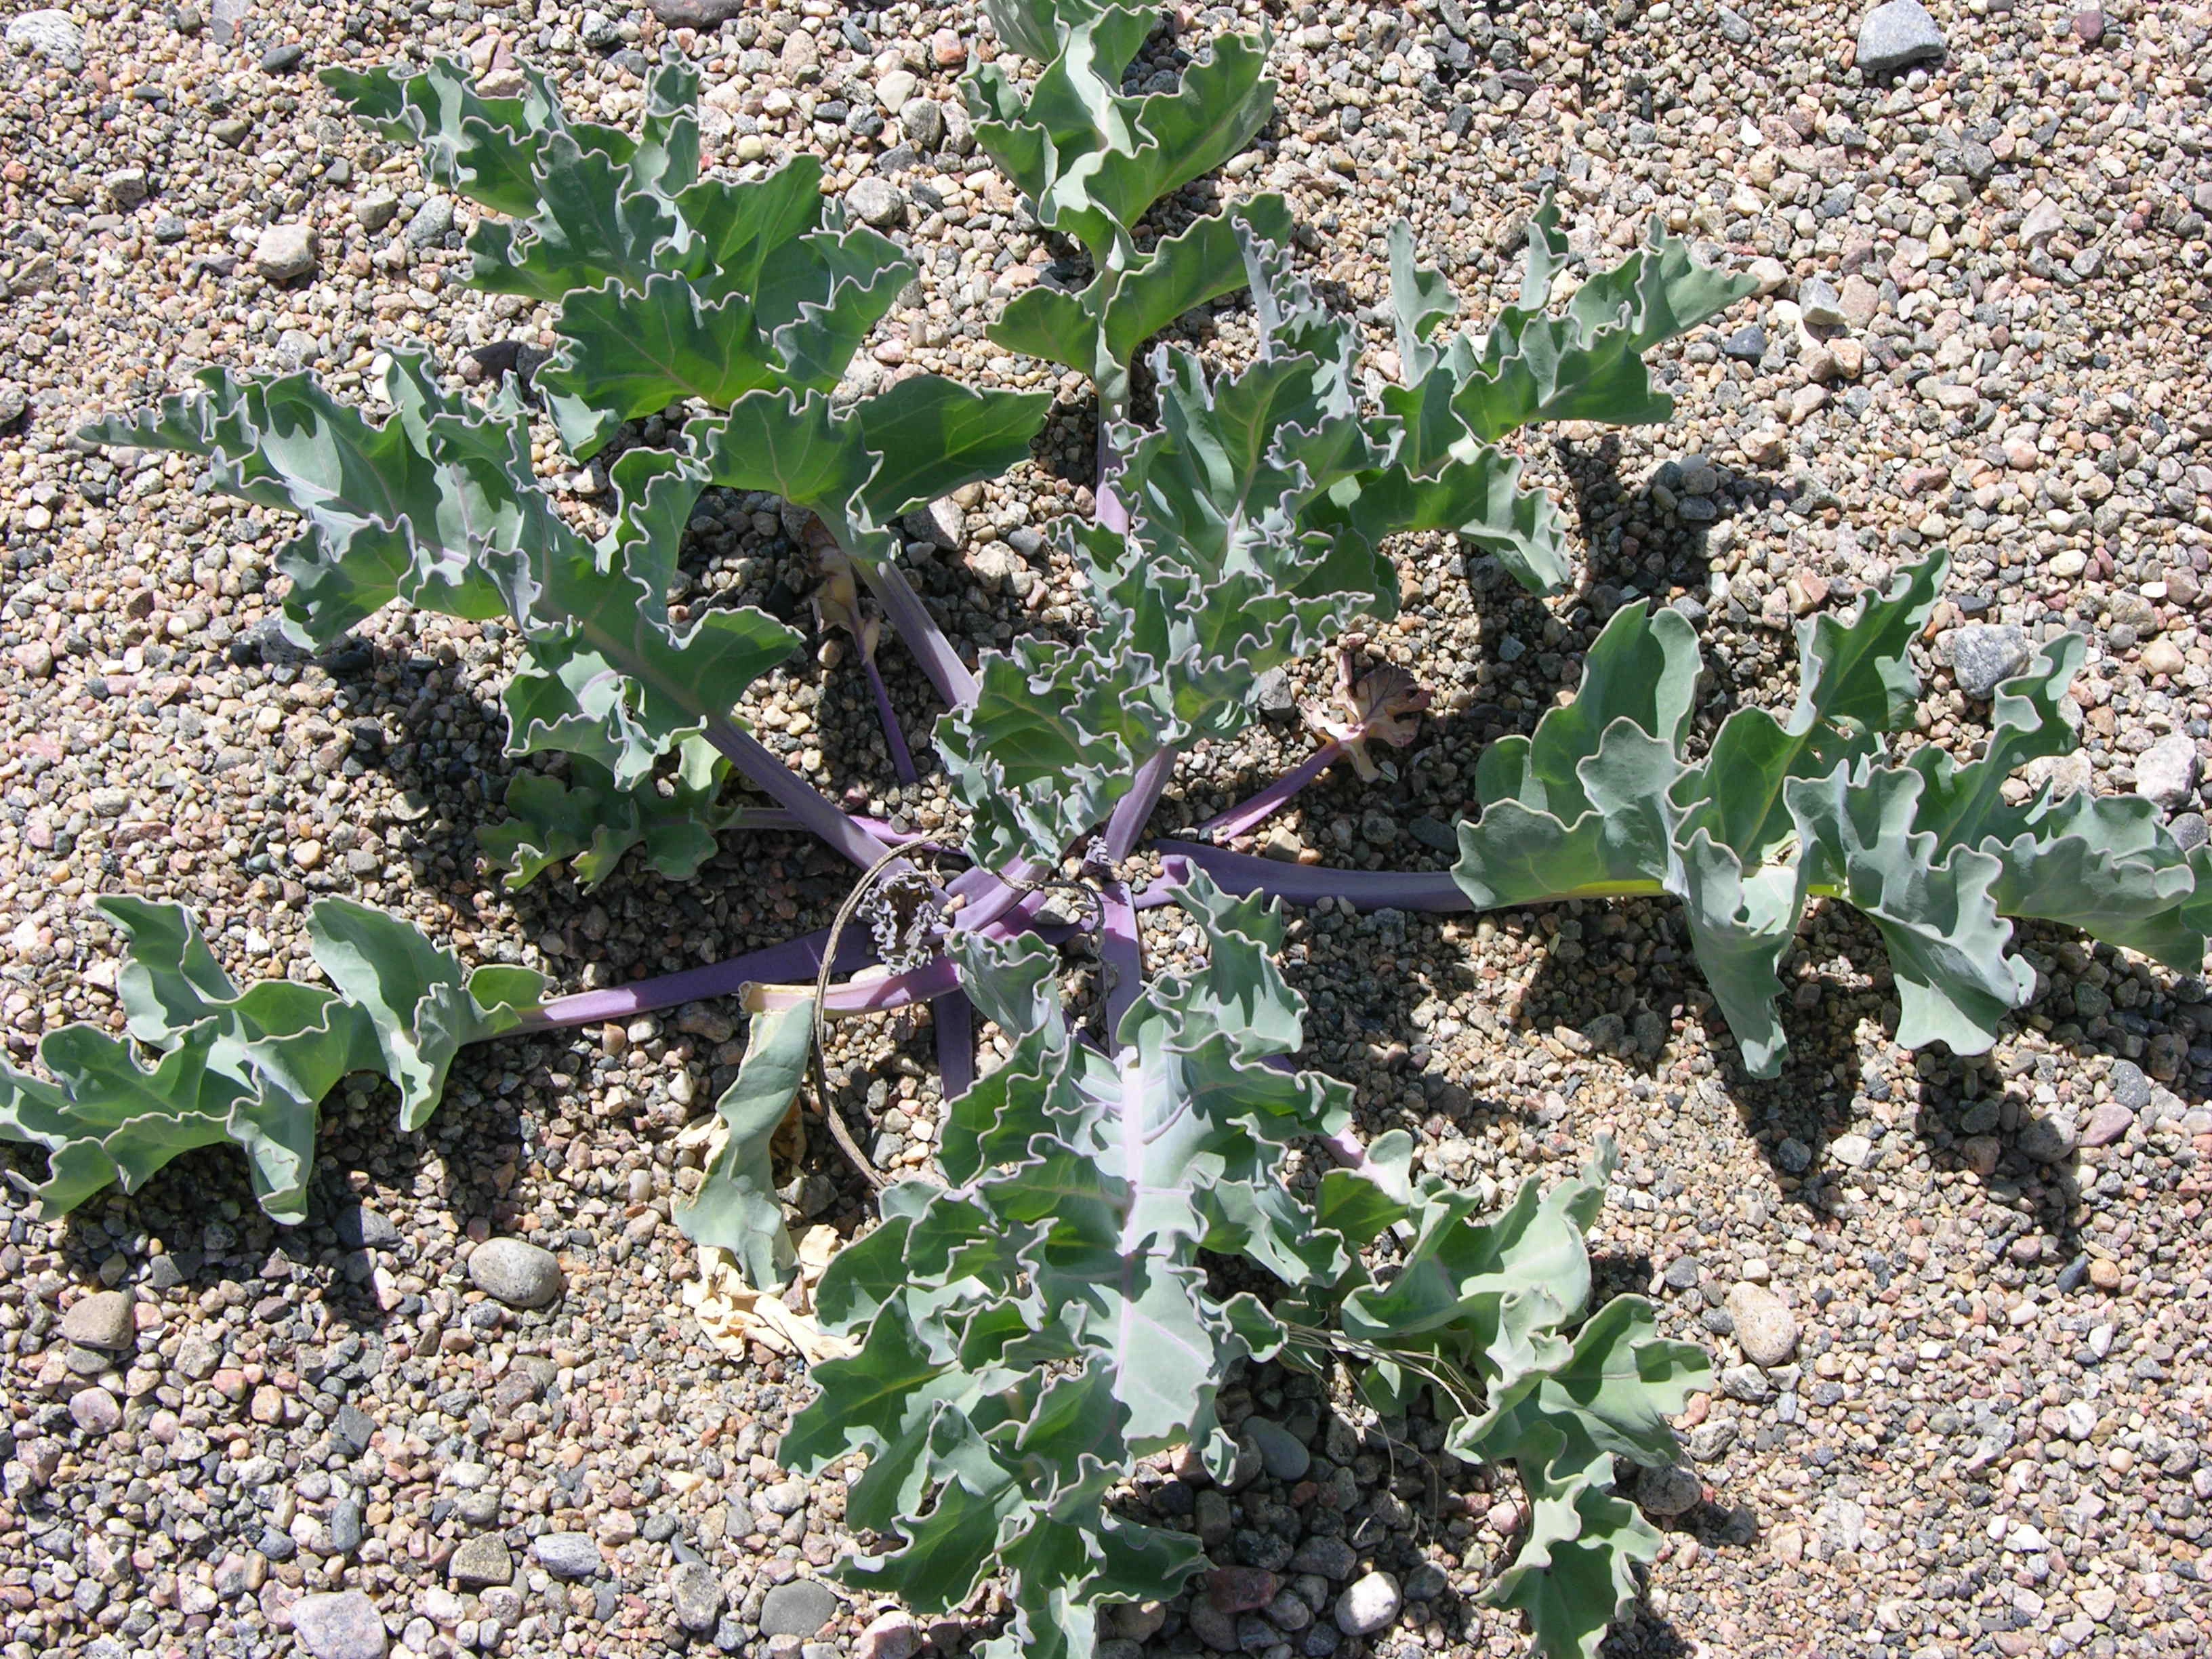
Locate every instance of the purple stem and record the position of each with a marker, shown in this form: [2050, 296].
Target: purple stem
[795, 795]
[1301, 883]
[794, 959]
[900, 756]
[910, 620]
[775, 817]
[1134, 810]
[1123, 952]
[1247, 815]
[954, 1018]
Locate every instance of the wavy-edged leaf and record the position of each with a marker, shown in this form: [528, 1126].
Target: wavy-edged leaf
[735, 1207]
[587, 821]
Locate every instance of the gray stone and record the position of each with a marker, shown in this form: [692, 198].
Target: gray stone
[47, 34]
[2188, 830]
[566, 1555]
[375, 210]
[2130, 1086]
[2167, 771]
[1984, 655]
[102, 1320]
[482, 1562]
[1668, 1491]
[696, 14]
[1766, 1329]
[1853, 1152]
[698, 1596]
[345, 1526]
[1747, 345]
[1709, 1442]
[1896, 35]
[1282, 1454]
[520, 1274]
[876, 202]
[1746, 1383]
[1682, 1274]
[431, 221]
[1332, 1558]
[339, 1624]
[2050, 1140]
[1368, 1605]
[1819, 303]
[359, 1228]
[799, 1609]
[284, 251]
[924, 121]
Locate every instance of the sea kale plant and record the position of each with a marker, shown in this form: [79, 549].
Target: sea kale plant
[1139, 1194]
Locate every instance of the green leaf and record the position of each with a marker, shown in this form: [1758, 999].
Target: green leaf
[932, 436]
[248, 1067]
[591, 822]
[735, 1208]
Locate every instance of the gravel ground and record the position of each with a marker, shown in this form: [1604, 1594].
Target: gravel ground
[1959, 1308]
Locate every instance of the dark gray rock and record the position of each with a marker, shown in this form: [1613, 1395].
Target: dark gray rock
[1896, 35]
[696, 14]
[359, 1228]
[799, 1609]
[2130, 1086]
[1282, 1454]
[1984, 655]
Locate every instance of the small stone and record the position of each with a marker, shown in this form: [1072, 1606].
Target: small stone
[2089, 27]
[895, 88]
[2130, 1086]
[95, 1410]
[1682, 1274]
[1672, 1490]
[284, 252]
[2162, 656]
[1853, 1152]
[521, 1275]
[1368, 1605]
[2168, 770]
[1747, 345]
[339, 1624]
[799, 1609]
[1282, 1454]
[2107, 1124]
[1984, 655]
[359, 1228]
[948, 49]
[701, 14]
[278, 59]
[2105, 1274]
[376, 210]
[2051, 1139]
[566, 1555]
[48, 33]
[430, 221]
[1766, 1329]
[102, 1320]
[482, 1562]
[1896, 35]
[345, 1527]
[924, 121]
[892, 1635]
[698, 1596]
[876, 202]
[1819, 304]
[1332, 1558]
[2098, 1602]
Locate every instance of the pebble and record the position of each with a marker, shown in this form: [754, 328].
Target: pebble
[1820, 305]
[2107, 1123]
[698, 1596]
[1669, 1491]
[2168, 770]
[1984, 655]
[1853, 1152]
[1765, 1327]
[1895, 35]
[876, 202]
[1368, 1604]
[566, 1555]
[102, 1320]
[49, 34]
[521, 1274]
[339, 1624]
[429, 222]
[2051, 1137]
[95, 1410]
[375, 210]
[1282, 1454]
[480, 1562]
[284, 252]
[893, 1635]
[799, 1609]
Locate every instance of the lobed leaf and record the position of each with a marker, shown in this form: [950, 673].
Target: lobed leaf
[591, 823]
[735, 1208]
[1602, 800]
[248, 1067]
